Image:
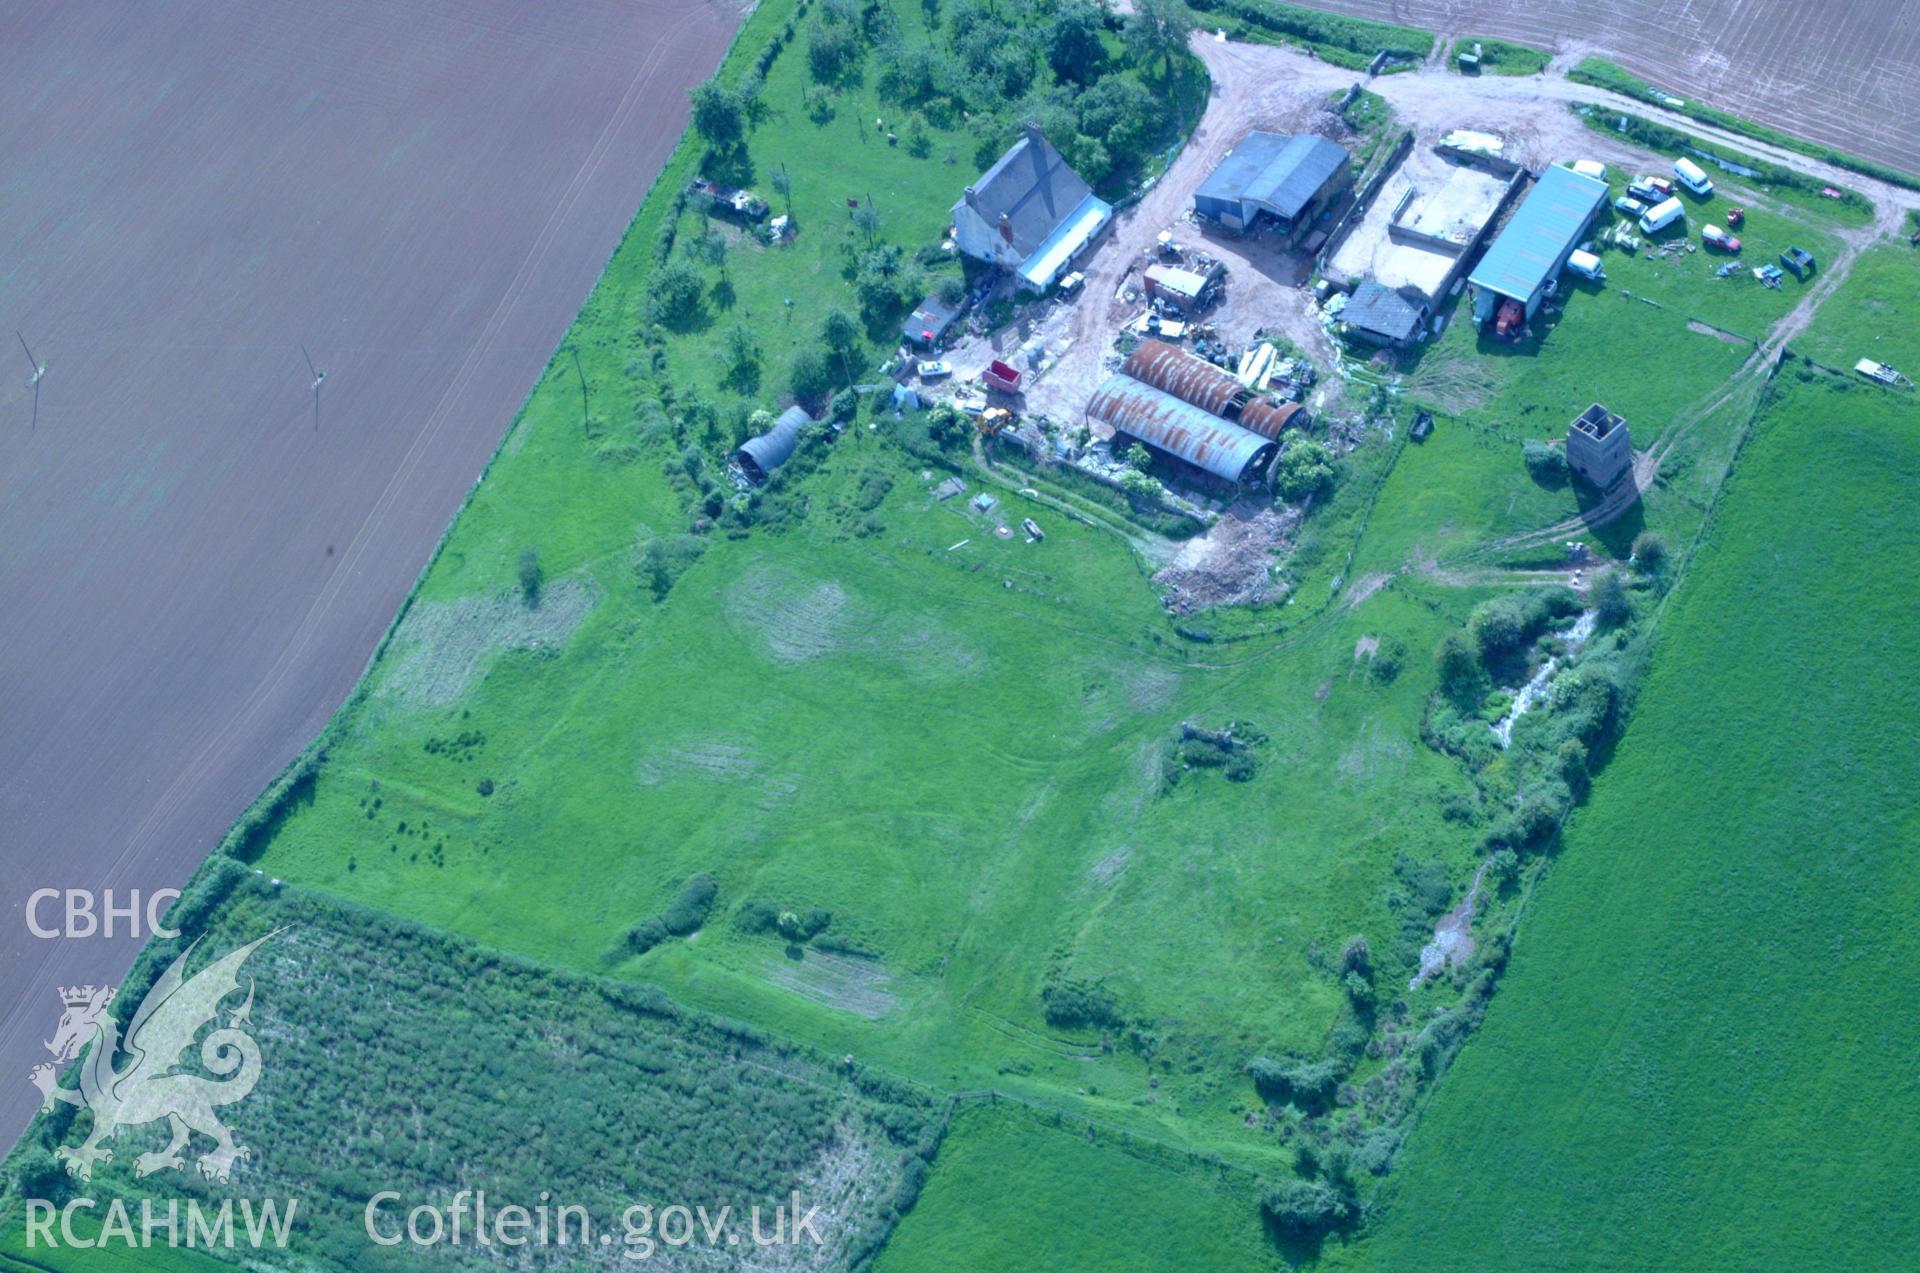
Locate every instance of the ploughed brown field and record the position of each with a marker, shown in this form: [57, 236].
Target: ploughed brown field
[193, 568]
[1845, 74]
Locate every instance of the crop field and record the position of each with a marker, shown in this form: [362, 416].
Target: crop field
[198, 563]
[1672, 1065]
[1842, 80]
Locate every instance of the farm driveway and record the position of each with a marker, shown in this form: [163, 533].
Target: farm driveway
[194, 567]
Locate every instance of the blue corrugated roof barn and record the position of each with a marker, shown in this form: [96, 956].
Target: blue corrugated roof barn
[1291, 179]
[1533, 249]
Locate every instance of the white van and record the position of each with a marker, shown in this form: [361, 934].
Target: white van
[1586, 265]
[1590, 168]
[1661, 215]
[1688, 174]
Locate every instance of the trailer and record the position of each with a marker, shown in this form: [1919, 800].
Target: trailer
[1883, 374]
[715, 197]
[1001, 376]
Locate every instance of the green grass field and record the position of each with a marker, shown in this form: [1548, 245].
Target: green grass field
[1871, 315]
[1694, 1061]
[1011, 1190]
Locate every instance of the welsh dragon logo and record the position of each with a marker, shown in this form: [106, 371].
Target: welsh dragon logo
[147, 1086]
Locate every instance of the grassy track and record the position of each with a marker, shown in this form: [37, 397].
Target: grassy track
[1691, 1063]
[1871, 317]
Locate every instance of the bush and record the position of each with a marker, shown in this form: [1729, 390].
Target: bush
[531, 576]
[811, 379]
[756, 916]
[1080, 1003]
[664, 559]
[1307, 1208]
[718, 115]
[1546, 465]
[677, 295]
[1649, 552]
[1357, 956]
[1503, 868]
[689, 908]
[1305, 470]
[1305, 1083]
[1608, 597]
[646, 934]
[1387, 661]
[1454, 660]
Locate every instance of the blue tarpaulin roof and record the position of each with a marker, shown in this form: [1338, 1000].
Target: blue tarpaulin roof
[1273, 171]
[1544, 229]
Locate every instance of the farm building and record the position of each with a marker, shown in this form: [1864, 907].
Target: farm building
[929, 323]
[1180, 429]
[1383, 316]
[1186, 376]
[1599, 448]
[1424, 225]
[1529, 254]
[1270, 419]
[759, 457]
[1288, 180]
[1186, 291]
[1030, 213]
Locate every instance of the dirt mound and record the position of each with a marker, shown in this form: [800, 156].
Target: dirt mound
[1232, 564]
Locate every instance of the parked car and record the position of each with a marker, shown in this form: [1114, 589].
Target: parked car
[1630, 205]
[1586, 265]
[1590, 168]
[1714, 237]
[1650, 189]
[935, 369]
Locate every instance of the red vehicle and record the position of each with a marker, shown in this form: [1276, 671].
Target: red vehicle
[999, 375]
[1736, 217]
[1508, 320]
[1714, 237]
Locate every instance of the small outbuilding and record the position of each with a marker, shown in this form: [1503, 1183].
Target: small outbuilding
[1287, 180]
[929, 323]
[1383, 316]
[1599, 448]
[1030, 213]
[759, 457]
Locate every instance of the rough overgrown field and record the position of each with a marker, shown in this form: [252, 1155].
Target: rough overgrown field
[482, 1071]
[1695, 1051]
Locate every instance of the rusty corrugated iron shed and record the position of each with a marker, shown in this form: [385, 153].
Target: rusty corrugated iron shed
[1268, 420]
[1186, 376]
[1180, 429]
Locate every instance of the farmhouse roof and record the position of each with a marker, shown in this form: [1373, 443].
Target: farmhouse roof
[1381, 310]
[1274, 171]
[1032, 187]
[1535, 243]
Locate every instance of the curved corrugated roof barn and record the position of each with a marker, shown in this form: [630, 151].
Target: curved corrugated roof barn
[762, 455]
[1181, 429]
[1268, 420]
[1186, 376]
